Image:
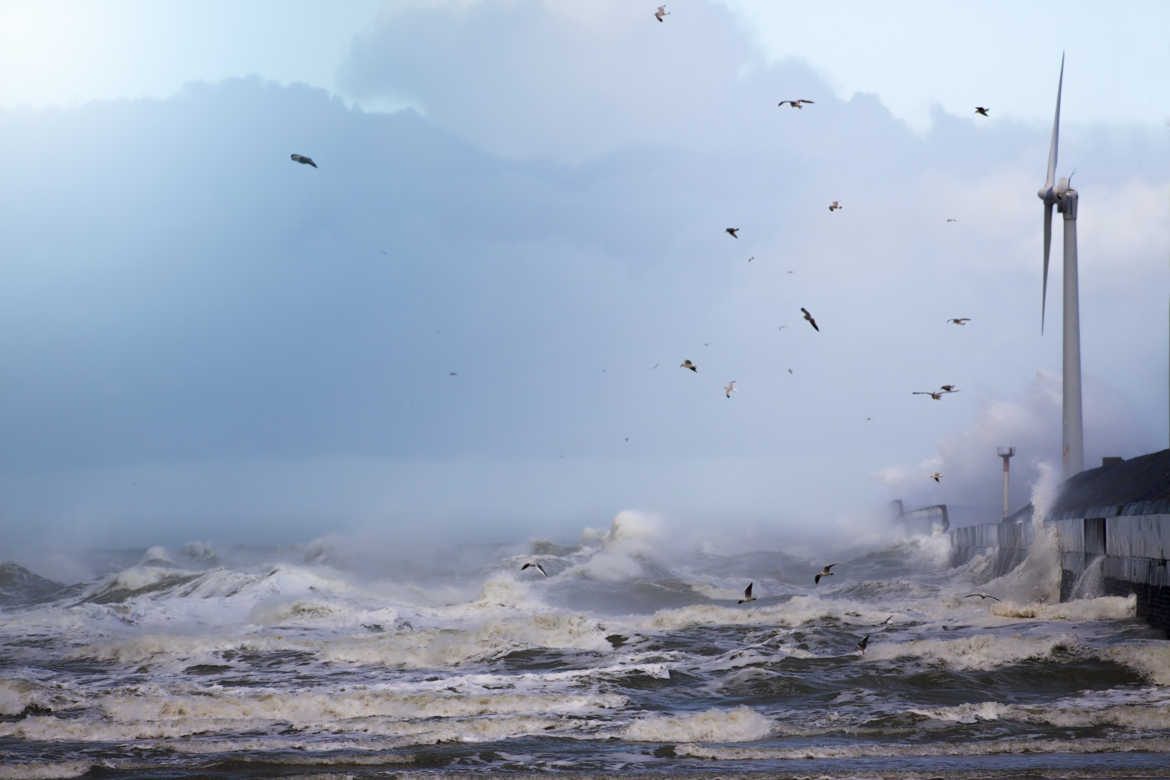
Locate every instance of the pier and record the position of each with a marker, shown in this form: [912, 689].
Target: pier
[1115, 517]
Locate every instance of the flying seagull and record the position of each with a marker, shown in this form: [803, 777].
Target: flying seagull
[948, 388]
[753, 257]
[932, 394]
[886, 621]
[981, 596]
[982, 111]
[747, 594]
[537, 565]
[302, 159]
[729, 388]
[952, 219]
[959, 320]
[688, 364]
[864, 643]
[731, 232]
[799, 103]
[661, 12]
[835, 206]
[810, 319]
[936, 477]
[825, 572]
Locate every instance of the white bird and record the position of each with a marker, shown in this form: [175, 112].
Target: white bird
[798, 103]
[300, 158]
[661, 12]
[688, 364]
[727, 391]
[537, 565]
[936, 477]
[825, 572]
[835, 206]
[747, 594]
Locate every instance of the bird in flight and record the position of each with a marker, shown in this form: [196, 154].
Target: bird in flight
[452, 373]
[799, 103]
[729, 388]
[747, 594]
[982, 110]
[936, 396]
[959, 320]
[731, 232]
[810, 319]
[981, 596]
[952, 219]
[688, 364]
[302, 159]
[661, 12]
[537, 565]
[948, 388]
[825, 572]
[936, 477]
[835, 206]
[753, 257]
[886, 621]
[864, 643]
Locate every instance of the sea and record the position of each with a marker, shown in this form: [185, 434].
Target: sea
[628, 655]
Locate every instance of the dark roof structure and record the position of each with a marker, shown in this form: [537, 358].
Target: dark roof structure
[1140, 486]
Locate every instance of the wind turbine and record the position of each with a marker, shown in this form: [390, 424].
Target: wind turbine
[1064, 198]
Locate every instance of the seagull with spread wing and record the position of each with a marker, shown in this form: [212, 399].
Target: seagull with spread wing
[661, 12]
[798, 103]
[302, 159]
[825, 572]
[747, 594]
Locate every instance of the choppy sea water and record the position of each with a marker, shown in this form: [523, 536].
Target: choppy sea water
[311, 661]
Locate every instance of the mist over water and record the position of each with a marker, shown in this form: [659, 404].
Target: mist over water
[349, 654]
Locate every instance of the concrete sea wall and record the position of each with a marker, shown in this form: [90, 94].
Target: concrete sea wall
[1130, 551]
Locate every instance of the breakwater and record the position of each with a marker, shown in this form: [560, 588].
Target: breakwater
[1111, 526]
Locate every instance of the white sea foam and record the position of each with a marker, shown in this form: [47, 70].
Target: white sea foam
[1124, 710]
[1150, 659]
[49, 769]
[795, 611]
[981, 651]
[932, 750]
[1102, 608]
[433, 648]
[740, 724]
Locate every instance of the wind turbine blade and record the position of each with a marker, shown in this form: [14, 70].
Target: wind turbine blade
[1047, 247]
[1048, 182]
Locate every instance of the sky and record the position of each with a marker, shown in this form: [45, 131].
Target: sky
[469, 318]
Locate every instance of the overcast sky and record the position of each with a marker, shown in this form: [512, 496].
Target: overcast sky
[202, 339]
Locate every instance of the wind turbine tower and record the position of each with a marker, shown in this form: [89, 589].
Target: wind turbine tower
[1064, 198]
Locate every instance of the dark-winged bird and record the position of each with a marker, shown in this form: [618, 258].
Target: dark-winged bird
[747, 594]
[302, 159]
[810, 319]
